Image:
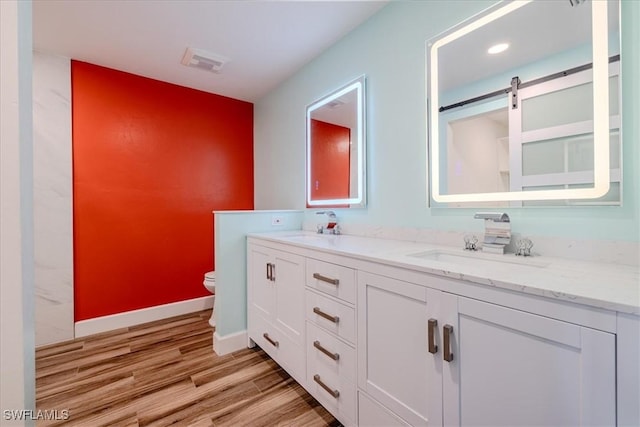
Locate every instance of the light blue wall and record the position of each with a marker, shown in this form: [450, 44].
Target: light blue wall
[390, 50]
[231, 228]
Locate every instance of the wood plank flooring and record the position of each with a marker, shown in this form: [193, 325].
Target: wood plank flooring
[165, 373]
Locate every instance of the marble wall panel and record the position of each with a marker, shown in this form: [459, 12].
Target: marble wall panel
[53, 208]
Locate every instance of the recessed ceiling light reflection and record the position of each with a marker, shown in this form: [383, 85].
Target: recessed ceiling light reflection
[498, 48]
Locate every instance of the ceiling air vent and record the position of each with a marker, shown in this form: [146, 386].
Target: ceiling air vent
[336, 103]
[199, 58]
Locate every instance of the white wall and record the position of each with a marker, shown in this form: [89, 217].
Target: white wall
[390, 50]
[17, 387]
[53, 207]
[472, 155]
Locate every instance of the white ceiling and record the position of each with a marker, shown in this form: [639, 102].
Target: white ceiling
[266, 41]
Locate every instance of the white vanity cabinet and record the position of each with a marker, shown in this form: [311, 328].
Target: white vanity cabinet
[513, 368]
[381, 340]
[394, 365]
[331, 336]
[435, 358]
[275, 310]
[301, 312]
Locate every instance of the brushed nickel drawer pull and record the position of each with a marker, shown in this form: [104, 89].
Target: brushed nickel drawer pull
[271, 341]
[431, 325]
[447, 331]
[334, 393]
[334, 319]
[326, 279]
[334, 356]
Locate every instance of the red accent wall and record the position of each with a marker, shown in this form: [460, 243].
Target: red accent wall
[330, 160]
[151, 161]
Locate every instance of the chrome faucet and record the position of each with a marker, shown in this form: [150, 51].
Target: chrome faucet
[497, 231]
[470, 242]
[330, 226]
[524, 246]
[493, 216]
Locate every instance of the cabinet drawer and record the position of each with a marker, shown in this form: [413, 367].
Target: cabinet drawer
[332, 315]
[332, 279]
[279, 347]
[325, 349]
[337, 394]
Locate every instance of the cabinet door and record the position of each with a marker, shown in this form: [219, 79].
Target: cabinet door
[394, 365]
[260, 289]
[512, 368]
[288, 274]
[372, 414]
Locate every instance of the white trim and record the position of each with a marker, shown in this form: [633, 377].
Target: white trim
[577, 129]
[515, 146]
[565, 178]
[144, 315]
[229, 343]
[628, 331]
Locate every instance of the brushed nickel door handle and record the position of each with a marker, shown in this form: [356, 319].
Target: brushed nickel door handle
[326, 279]
[334, 356]
[273, 272]
[334, 393]
[431, 327]
[268, 271]
[271, 341]
[334, 319]
[447, 331]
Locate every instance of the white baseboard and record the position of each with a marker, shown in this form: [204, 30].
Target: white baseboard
[229, 343]
[144, 315]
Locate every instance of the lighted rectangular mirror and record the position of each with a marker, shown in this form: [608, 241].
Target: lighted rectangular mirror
[336, 148]
[535, 122]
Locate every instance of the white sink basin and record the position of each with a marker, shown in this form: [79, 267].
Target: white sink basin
[477, 259]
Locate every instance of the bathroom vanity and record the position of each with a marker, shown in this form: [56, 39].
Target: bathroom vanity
[389, 332]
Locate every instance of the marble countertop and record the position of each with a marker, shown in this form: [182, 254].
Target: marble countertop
[602, 285]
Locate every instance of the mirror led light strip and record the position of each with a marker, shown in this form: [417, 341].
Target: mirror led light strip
[357, 85]
[600, 43]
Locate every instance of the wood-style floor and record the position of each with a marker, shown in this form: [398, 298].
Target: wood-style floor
[165, 373]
